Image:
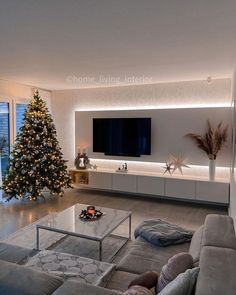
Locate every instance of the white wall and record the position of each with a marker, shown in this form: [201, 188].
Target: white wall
[168, 129]
[10, 90]
[164, 95]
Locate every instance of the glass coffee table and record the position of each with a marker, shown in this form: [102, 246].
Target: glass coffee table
[68, 222]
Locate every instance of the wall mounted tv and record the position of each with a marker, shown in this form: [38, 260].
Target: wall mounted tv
[122, 136]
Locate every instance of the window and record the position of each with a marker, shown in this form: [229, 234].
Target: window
[4, 136]
[11, 119]
[20, 110]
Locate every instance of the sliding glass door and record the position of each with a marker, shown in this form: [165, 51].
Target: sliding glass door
[20, 108]
[5, 136]
[11, 119]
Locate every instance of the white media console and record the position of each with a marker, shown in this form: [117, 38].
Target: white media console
[198, 189]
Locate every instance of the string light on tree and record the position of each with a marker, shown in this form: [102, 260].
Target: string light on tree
[36, 160]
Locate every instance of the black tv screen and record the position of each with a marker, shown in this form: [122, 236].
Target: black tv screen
[122, 136]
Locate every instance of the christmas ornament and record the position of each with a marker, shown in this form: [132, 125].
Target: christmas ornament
[168, 168]
[178, 163]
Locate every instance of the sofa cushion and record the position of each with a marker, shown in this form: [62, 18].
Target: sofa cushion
[144, 256]
[217, 272]
[120, 280]
[183, 284]
[13, 253]
[219, 232]
[19, 280]
[138, 290]
[147, 279]
[71, 287]
[196, 244]
[177, 264]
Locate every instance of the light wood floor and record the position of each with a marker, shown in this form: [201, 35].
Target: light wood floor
[15, 214]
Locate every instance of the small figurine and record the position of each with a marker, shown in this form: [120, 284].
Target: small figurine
[123, 169]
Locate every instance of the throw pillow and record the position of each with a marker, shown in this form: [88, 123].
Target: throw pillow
[177, 264]
[147, 279]
[138, 290]
[183, 284]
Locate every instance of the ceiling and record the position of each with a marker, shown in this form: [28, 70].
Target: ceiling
[65, 44]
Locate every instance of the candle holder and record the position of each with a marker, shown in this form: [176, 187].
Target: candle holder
[81, 161]
[91, 214]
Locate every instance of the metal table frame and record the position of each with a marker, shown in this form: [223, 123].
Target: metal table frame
[98, 239]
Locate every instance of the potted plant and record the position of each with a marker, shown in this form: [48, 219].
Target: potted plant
[211, 143]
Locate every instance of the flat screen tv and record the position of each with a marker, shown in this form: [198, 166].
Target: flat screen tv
[122, 136]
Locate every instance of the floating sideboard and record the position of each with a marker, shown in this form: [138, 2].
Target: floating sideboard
[154, 184]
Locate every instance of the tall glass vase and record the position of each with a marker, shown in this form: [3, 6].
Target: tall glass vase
[212, 169]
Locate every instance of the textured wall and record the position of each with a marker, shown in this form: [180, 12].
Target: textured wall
[164, 95]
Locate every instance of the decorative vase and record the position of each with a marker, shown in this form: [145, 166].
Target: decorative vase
[212, 169]
[81, 161]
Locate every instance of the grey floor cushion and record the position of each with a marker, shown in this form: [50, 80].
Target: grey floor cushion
[161, 233]
[19, 280]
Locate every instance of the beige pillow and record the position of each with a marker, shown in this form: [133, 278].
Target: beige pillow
[176, 265]
[138, 290]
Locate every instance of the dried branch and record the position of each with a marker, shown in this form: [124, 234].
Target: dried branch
[212, 141]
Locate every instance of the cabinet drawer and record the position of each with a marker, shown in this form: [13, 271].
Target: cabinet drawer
[212, 192]
[151, 185]
[100, 180]
[125, 183]
[178, 188]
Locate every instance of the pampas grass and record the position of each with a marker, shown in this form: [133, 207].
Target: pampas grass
[212, 141]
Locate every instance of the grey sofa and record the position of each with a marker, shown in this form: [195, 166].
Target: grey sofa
[213, 247]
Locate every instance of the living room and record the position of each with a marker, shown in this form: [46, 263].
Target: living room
[139, 99]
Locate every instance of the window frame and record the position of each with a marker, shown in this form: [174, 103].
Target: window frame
[12, 113]
[11, 117]
[15, 101]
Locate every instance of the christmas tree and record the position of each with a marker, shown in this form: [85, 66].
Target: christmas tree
[36, 160]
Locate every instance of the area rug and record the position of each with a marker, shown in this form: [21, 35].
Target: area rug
[26, 237]
[87, 248]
